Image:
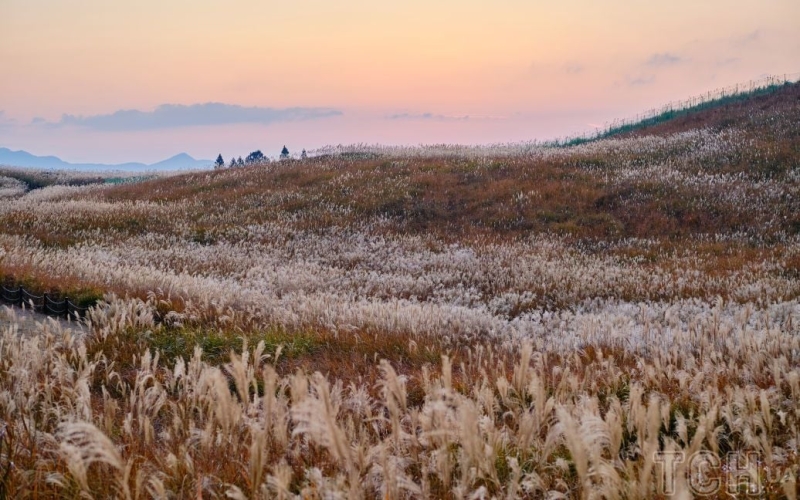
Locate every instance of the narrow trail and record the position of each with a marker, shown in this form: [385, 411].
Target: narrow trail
[30, 323]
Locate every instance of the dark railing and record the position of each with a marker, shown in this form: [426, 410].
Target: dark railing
[45, 303]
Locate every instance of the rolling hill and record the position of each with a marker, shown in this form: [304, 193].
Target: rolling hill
[736, 111]
[501, 322]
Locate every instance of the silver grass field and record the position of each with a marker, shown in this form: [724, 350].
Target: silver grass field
[256, 339]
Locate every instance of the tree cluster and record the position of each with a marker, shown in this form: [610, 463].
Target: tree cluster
[254, 158]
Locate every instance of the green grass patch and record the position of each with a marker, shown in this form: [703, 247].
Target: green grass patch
[217, 345]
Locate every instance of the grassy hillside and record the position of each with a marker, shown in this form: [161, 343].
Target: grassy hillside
[738, 110]
[721, 111]
[516, 322]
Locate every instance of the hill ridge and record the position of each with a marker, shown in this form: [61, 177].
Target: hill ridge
[674, 109]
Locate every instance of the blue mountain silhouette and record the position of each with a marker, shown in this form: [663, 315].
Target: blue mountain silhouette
[25, 159]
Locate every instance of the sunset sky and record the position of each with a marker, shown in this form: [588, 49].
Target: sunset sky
[103, 81]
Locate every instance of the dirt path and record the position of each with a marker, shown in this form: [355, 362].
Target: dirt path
[31, 323]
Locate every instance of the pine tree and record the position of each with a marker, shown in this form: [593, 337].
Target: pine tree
[255, 157]
[220, 163]
[233, 162]
[284, 153]
[304, 155]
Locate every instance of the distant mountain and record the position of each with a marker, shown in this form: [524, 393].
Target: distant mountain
[181, 161]
[25, 159]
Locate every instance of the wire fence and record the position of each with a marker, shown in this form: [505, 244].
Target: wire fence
[46, 303]
[675, 108]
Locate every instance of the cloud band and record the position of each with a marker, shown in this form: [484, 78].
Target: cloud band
[178, 115]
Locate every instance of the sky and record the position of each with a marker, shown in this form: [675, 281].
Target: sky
[101, 81]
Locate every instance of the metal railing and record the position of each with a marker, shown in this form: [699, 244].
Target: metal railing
[45, 303]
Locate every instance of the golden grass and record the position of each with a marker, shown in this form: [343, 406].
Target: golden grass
[488, 421]
[550, 323]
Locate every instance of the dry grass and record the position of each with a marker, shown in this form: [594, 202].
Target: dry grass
[446, 323]
[531, 422]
